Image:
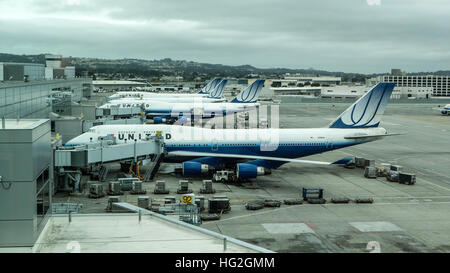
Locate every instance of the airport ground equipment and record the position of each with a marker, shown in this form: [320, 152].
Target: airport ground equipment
[219, 204]
[386, 166]
[396, 168]
[223, 176]
[155, 204]
[207, 187]
[183, 187]
[114, 188]
[111, 201]
[210, 217]
[187, 212]
[68, 161]
[362, 162]
[254, 205]
[170, 200]
[351, 164]
[200, 202]
[407, 178]
[96, 191]
[340, 200]
[392, 176]
[294, 201]
[160, 187]
[126, 184]
[381, 171]
[312, 193]
[370, 172]
[317, 201]
[65, 208]
[136, 188]
[143, 202]
[272, 203]
[363, 200]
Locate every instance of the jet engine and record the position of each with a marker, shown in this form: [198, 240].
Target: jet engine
[444, 112]
[159, 120]
[183, 120]
[192, 168]
[244, 170]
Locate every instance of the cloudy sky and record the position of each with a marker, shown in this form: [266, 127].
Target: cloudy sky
[365, 36]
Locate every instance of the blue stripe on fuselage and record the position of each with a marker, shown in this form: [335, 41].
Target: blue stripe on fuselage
[283, 150]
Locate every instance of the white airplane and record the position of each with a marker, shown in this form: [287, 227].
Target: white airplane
[214, 96]
[204, 92]
[255, 152]
[170, 112]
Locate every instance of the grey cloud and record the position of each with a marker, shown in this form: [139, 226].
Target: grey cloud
[347, 35]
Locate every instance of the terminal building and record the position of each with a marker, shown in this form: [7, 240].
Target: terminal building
[57, 68]
[21, 72]
[34, 165]
[440, 85]
[26, 92]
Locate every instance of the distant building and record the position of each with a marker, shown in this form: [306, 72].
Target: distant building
[171, 78]
[344, 91]
[286, 87]
[399, 92]
[322, 80]
[397, 72]
[439, 84]
[56, 68]
[21, 71]
[112, 85]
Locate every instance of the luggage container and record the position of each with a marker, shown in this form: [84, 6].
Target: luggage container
[312, 193]
[217, 205]
[370, 172]
[407, 178]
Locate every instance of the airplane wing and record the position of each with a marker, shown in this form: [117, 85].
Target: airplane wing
[237, 156]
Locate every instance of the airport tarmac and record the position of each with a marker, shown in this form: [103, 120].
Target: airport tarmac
[403, 218]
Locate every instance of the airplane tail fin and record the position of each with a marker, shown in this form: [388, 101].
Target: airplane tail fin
[217, 93]
[368, 110]
[250, 94]
[210, 86]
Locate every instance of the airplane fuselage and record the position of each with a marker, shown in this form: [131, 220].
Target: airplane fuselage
[153, 95]
[287, 143]
[167, 109]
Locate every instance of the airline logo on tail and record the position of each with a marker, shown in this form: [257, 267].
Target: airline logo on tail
[251, 93]
[218, 90]
[210, 86]
[367, 111]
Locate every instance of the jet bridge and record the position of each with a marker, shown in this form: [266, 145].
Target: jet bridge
[69, 162]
